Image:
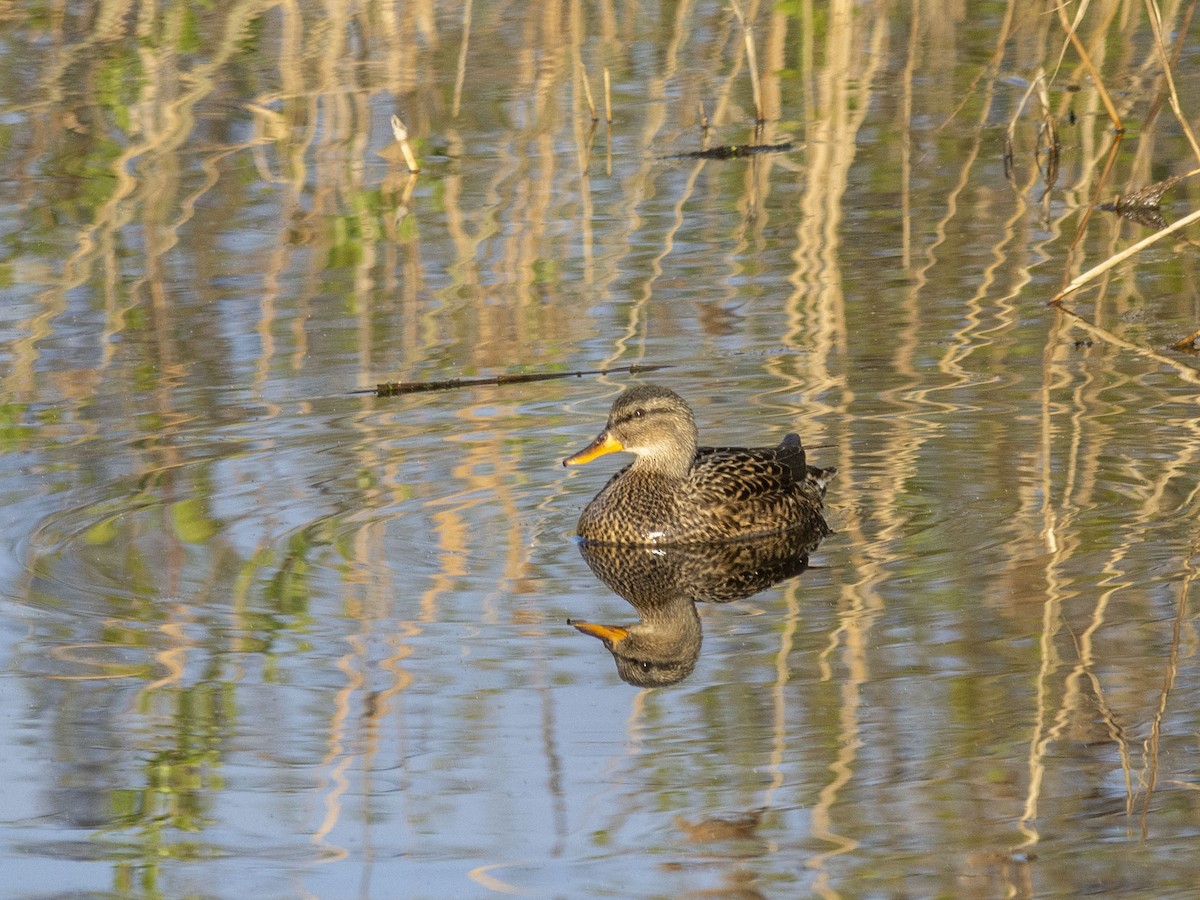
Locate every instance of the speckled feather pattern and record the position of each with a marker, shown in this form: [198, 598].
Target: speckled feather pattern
[727, 493]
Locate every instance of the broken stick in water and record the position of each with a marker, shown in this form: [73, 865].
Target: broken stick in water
[392, 388]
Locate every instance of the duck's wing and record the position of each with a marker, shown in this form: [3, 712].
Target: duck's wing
[742, 474]
[747, 473]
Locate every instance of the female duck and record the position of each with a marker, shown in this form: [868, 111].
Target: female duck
[677, 493]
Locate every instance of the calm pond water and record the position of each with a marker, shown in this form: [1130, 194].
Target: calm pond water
[262, 635]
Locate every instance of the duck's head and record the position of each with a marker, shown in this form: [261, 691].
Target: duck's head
[651, 422]
[652, 653]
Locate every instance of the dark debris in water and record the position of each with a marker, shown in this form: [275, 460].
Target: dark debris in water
[734, 151]
[1142, 206]
[393, 388]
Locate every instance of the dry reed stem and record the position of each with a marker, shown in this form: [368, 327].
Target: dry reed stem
[400, 131]
[906, 110]
[1090, 210]
[751, 62]
[1155, 15]
[1047, 133]
[461, 71]
[608, 121]
[1181, 30]
[1103, 267]
[1085, 57]
[607, 97]
[587, 93]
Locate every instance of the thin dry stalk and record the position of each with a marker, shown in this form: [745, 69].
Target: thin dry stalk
[1048, 138]
[1122, 256]
[400, 131]
[461, 74]
[587, 92]
[608, 120]
[1090, 210]
[1047, 134]
[1155, 15]
[1071, 29]
[1182, 31]
[751, 62]
[607, 97]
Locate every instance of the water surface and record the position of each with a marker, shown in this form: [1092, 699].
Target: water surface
[265, 635]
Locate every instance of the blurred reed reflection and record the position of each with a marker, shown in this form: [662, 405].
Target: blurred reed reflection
[664, 583]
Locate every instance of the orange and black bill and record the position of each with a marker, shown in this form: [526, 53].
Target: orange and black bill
[601, 446]
[610, 634]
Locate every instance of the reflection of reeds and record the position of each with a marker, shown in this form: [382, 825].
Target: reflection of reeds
[751, 62]
[587, 90]
[496, 292]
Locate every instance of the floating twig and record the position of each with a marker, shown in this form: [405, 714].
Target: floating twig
[393, 388]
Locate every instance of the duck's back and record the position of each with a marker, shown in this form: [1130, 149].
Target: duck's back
[729, 493]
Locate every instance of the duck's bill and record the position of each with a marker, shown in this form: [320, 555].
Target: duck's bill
[610, 634]
[601, 446]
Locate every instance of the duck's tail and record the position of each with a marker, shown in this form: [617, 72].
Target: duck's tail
[821, 477]
[791, 451]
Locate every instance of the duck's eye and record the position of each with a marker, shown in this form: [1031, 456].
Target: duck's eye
[638, 413]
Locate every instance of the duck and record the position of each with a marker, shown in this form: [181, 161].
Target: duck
[677, 492]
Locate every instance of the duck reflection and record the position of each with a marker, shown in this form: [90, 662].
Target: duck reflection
[663, 583]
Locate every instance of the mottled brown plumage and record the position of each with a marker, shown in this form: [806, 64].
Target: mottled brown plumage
[663, 583]
[677, 493]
